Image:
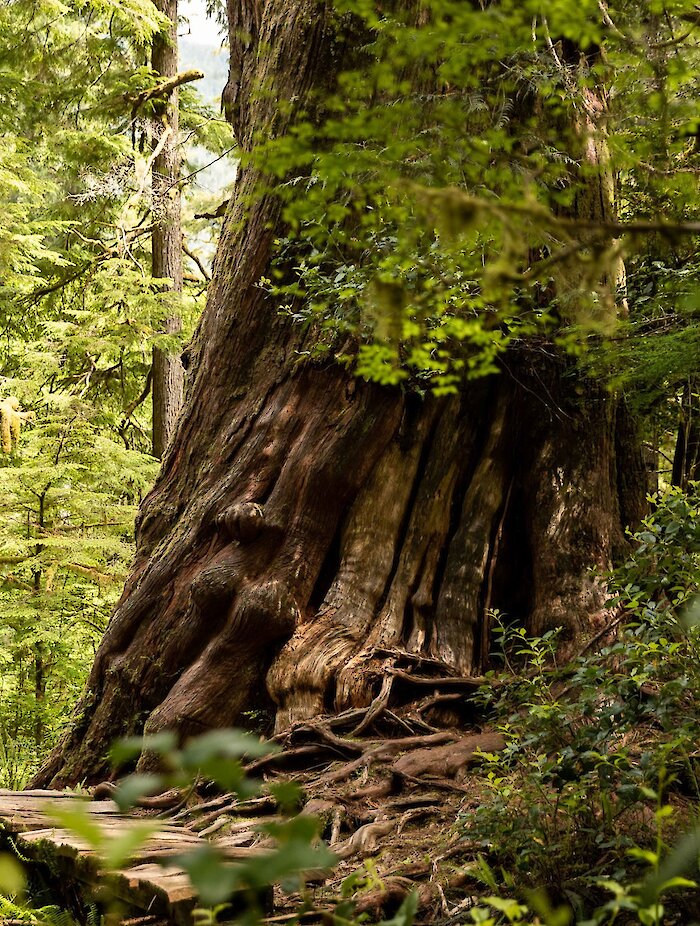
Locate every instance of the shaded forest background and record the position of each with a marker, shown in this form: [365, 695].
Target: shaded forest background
[81, 315]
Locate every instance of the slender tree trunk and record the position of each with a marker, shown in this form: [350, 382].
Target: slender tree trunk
[39, 646]
[686, 458]
[166, 242]
[305, 522]
[39, 692]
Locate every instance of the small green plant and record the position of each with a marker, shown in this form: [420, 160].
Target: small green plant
[14, 906]
[601, 755]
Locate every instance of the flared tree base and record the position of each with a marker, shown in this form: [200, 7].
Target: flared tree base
[334, 521]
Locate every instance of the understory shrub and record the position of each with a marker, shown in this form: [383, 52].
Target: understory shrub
[599, 779]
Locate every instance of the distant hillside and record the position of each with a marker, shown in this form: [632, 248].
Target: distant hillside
[211, 59]
[211, 185]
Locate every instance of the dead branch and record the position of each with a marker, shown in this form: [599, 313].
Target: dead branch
[165, 801]
[195, 259]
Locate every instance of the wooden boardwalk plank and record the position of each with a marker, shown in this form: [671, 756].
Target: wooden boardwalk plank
[26, 817]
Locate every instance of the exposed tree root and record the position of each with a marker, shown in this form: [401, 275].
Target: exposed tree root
[382, 752]
[167, 800]
[446, 761]
[384, 783]
[469, 683]
[364, 840]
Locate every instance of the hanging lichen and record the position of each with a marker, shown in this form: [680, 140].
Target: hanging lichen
[10, 423]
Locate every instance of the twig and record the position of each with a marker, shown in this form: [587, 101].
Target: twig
[197, 171]
[604, 632]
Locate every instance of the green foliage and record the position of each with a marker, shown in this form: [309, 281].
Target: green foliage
[50, 915]
[662, 572]
[588, 795]
[13, 904]
[232, 891]
[11, 876]
[235, 891]
[654, 352]
[442, 197]
[69, 490]
[446, 201]
[80, 315]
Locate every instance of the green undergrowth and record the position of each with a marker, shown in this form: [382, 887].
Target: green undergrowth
[18, 906]
[593, 805]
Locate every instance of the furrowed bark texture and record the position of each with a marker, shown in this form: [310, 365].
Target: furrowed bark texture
[166, 239]
[303, 519]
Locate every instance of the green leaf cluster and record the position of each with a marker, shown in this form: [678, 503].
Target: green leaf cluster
[590, 796]
[455, 194]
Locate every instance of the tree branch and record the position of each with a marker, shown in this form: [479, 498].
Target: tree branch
[193, 257]
[162, 90]
[132, 406]
[471, 206]
[218, 213]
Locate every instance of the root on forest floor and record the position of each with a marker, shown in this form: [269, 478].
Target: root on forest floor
[386, 784]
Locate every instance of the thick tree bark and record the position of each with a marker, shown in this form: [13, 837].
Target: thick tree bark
[304, 519]
[166, 240]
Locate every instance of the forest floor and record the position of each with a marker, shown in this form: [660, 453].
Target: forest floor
[390, 785]
[393, 787]
[399, 787]
[390, 813]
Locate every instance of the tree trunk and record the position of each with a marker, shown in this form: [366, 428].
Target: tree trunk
[39, 646]
[304, 521]
[686, 457]
[166, 240]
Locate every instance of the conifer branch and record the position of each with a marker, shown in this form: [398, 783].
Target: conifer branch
[62, 529]
[50, 288]
[17, 583]
[199, 170]
[90, 572]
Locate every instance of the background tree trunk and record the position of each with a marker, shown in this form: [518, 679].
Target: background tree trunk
[304, 522]
[166, 240]
[686, 457]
